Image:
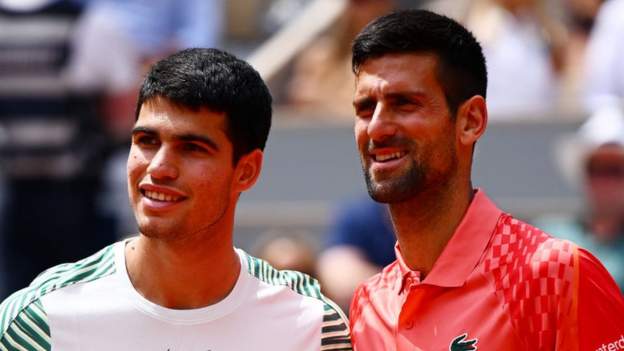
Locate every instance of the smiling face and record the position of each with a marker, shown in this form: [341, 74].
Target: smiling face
[181, 179]
[403, 127]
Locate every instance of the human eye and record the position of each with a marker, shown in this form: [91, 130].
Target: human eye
[145, 140]
[364, 109]
[194, 147]
[405, 104]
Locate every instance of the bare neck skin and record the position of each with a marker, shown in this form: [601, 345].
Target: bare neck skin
[426, 223]
[197, 271]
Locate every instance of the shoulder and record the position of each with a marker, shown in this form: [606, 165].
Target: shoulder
[524, 261]
[516, 244]
[594, 278]
[597, 306]
[96, 266]
[23, 323]
[523, 255]
[540, 279]
[23, 319]
[335, 334]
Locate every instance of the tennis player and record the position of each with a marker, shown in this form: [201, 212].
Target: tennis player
[202, 121]
[467, 276]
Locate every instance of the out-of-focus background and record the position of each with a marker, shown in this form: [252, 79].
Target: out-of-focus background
[553, 153]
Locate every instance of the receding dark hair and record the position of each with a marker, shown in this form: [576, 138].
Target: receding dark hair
[219, 81]
[461, 69]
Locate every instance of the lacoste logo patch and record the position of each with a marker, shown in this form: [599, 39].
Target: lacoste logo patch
[461, 344]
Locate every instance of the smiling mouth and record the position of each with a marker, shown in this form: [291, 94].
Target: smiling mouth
[158, 196]
[388, 157]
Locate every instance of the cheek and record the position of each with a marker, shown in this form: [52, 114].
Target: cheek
[445, 137]
[361, 137]
[209, 179]
[135, 165]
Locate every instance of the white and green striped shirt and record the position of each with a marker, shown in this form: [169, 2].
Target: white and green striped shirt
[91, 305]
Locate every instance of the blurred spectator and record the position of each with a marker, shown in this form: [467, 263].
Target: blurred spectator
[605, 54]
[524, 46]
[322, 77]
[359, 243]
[116, 39]
[52, 144]
[595, 157]
[280, 12]
[580, 16]
[287, 252]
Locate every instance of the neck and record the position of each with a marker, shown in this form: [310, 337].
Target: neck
[183, 274]
[426, 223]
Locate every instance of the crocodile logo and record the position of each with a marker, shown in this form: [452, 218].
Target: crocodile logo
[461, 344]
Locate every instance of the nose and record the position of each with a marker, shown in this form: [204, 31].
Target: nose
[163, 165]
[382, 124]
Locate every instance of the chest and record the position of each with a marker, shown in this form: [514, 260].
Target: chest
[424, 317]
[118, 324]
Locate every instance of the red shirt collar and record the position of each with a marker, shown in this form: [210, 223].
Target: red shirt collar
[462, 253]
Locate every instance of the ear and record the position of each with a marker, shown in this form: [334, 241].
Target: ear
[471, 120]
[247, 170]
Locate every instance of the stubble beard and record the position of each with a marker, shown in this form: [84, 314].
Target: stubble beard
[417, 179]
[398, 188]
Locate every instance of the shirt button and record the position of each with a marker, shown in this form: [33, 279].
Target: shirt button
[409, 325]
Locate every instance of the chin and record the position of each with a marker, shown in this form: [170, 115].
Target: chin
[388, 193]
[395, 190]
[152, 229]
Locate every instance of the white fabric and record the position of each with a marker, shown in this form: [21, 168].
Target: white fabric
[606, 125]
[24, 5]
[105, 57]
[605, 58]
[521, 81]
[109, 314]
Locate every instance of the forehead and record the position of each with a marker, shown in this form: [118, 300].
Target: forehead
[166, 117]
[408, 71]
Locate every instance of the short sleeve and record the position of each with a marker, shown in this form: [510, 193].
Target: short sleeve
[23, 327]
[593, 317]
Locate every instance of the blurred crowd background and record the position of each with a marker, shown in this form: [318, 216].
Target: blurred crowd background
[70, 70]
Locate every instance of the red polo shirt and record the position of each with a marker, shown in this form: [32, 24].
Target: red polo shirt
[499, 284]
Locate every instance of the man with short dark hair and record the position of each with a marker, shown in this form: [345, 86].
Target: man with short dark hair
[467, 275]
[202, 120]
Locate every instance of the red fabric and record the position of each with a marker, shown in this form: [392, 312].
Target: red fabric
[600, 314]
[500, 284]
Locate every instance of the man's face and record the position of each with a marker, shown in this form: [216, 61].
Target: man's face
[403, 128]
[179, 170]
[605, 179]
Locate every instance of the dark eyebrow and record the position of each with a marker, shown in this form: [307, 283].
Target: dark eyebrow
[404, 94]
[190, 137]
[145, 130]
